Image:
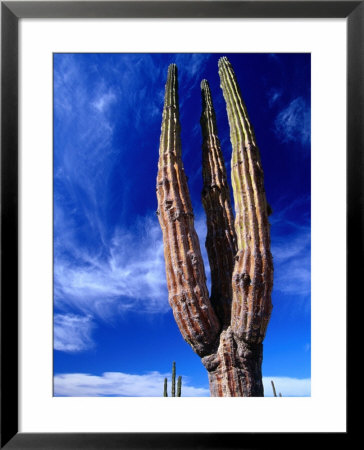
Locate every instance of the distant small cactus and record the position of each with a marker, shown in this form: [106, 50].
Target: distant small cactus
[173, 379]
[179, 383]
[274, 390]
[179, 386]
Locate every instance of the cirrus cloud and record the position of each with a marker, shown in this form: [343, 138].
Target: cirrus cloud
[293, 124]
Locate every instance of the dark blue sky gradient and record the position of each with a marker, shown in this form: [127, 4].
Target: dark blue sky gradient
[110, 299]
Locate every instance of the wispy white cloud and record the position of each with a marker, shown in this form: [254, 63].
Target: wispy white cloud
[292, 262]
[288, 387]
[130, 277]
[191, 65]
[126, 275]
[291, 249]
[273, 96]
[190, 73]
[291, 246]
[104, 100]
[72, 333]
[120, 384]
[103, 269]
[293, 124]
[84, 129]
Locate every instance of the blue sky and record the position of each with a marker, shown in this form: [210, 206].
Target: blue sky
[114, 332]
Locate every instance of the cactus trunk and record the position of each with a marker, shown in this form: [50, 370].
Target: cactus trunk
[227, 329]
[235, 370]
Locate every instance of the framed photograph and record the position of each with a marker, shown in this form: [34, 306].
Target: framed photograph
[121, 283]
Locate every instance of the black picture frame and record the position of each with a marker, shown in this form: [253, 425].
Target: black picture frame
[11, 12]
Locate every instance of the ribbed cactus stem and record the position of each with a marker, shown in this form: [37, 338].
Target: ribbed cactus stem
[165, 393]
[173, 379]
[179, 386]
[221, 239]
[186, 279]
[253, 272]
[274, 389]
[226, 330]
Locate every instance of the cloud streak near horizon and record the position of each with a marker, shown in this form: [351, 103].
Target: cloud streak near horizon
[118, 384]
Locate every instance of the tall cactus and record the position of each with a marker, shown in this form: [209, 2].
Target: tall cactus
[226, 330]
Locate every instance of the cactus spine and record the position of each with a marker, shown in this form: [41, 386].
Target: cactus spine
[226, 330]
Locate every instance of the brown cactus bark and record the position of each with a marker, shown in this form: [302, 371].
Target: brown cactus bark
[252, 279]
[234, 368]
[227, 330]
[253, 272]
[221, 239]
[186, 279]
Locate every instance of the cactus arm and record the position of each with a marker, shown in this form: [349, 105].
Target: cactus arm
[221, 238]
[253, 272]
[186, 279]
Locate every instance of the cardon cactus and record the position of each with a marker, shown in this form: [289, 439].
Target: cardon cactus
[227, 329]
